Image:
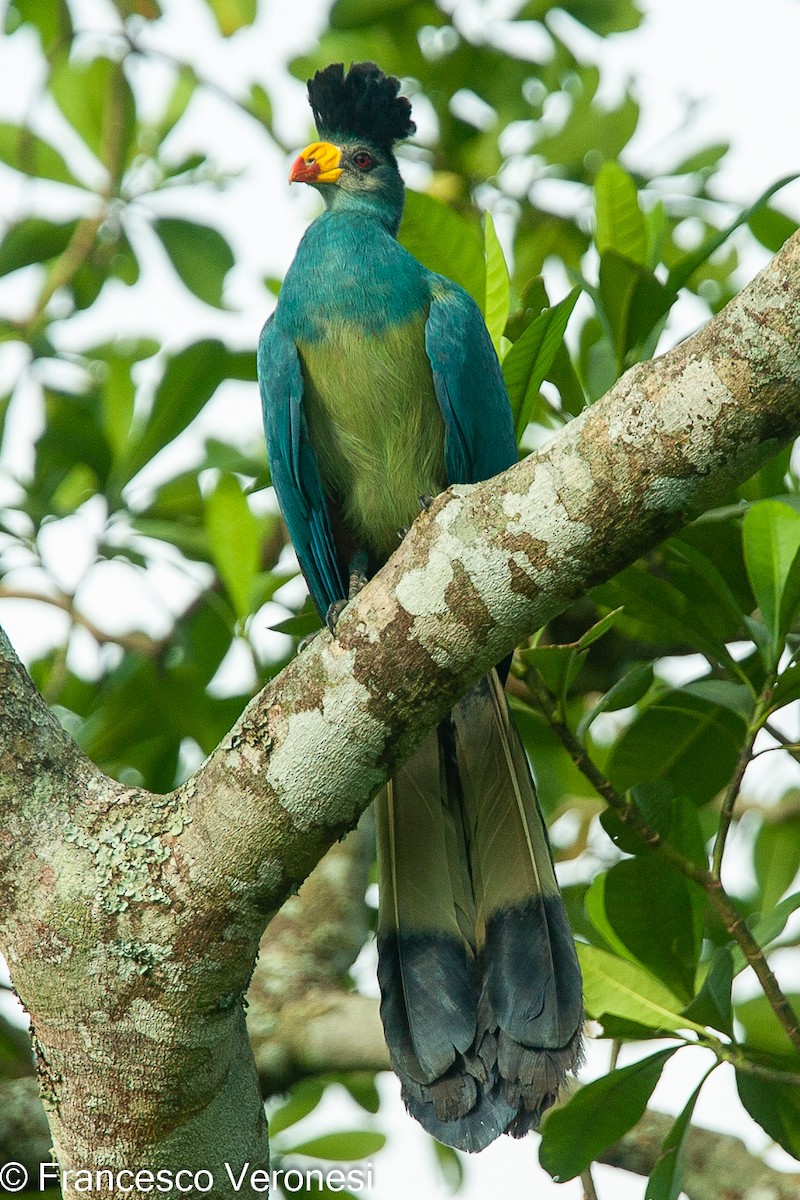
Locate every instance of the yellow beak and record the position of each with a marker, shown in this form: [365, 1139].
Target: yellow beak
[318, 163]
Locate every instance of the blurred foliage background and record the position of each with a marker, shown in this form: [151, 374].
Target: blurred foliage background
[152, 534]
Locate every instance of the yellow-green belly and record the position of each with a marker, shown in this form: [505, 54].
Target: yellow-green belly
[376, 428]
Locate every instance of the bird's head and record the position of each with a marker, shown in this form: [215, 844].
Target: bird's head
[359, 116]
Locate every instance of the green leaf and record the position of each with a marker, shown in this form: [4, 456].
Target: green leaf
[303, 1099]
[665, 1178]
[705, 160]
[27, 152]
[657, 610]
[645, 908]
[605, 16]
[558, 666]
[787, 688]
[626, 691]
[776, 856]
[763, 1030]
[259, 105]
[620, 224]
[301, 625]
[772, 557]
[599, 1113]
[624, 838]
[683, 270]
[449, 1164]
[775, 1106]
[700, 579]
[589, 129]
[113, 364]
[72, 438]
[33, 240]
[149, 10]
[354, 14]
[183, 89]
[712, 1004]
[5, 402]
[767, 928]
[199, 254]
[190, 379]
[97, 100]
[612, 985]
[633, 299]
[598, 630]
[52, 21]
[341, 1147]
[526, 364]
[361, 1086]
[772, 228]
[497, 283]
[232, 15]
[234, 538]
[684, 740]
[444, 242]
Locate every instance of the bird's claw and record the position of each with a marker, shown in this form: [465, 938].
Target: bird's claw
[425, 502]
[358, 574]
[335, 610]
[357, 580]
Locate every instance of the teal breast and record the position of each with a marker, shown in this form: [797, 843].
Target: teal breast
[375, 424]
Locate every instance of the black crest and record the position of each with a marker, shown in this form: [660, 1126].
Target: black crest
[361, 104]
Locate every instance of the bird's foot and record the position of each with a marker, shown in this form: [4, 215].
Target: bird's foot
[358, 574]
[425, 502]
[335, 610]
[357, 580]
[402, 531]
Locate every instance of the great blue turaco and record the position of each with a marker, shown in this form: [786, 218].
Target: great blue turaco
[380, 385]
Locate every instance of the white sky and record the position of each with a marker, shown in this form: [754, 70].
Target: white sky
[736, 59]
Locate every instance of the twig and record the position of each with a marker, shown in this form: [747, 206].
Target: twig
[134, 642]
[732, 790]
[589, 1190]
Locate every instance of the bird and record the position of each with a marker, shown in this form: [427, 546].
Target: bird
[380, 387]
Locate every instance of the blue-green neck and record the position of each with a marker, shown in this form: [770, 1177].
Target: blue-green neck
[383, 202]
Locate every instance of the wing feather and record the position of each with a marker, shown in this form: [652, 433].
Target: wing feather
[294, 468]
[480, 440]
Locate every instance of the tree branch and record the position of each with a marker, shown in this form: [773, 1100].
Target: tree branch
[714, 1164]
[153, 907]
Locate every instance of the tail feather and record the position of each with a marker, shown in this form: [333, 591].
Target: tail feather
[481, 989]
[532, 974]
[426, 904]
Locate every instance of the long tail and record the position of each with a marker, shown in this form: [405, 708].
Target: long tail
[480, 984]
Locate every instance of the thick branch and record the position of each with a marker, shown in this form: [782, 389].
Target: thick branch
[714, 1164]
[153, 907]
[488, 564]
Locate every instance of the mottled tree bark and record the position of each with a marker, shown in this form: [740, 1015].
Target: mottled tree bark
[131, 921]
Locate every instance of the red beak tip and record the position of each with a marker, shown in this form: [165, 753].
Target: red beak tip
[302, 171]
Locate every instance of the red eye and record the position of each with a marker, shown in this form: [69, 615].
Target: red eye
[363, 161]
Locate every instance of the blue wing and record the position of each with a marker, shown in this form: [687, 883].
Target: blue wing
[479, 438]
[293, 465]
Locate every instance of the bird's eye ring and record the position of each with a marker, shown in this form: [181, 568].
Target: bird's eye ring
[363, 160]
